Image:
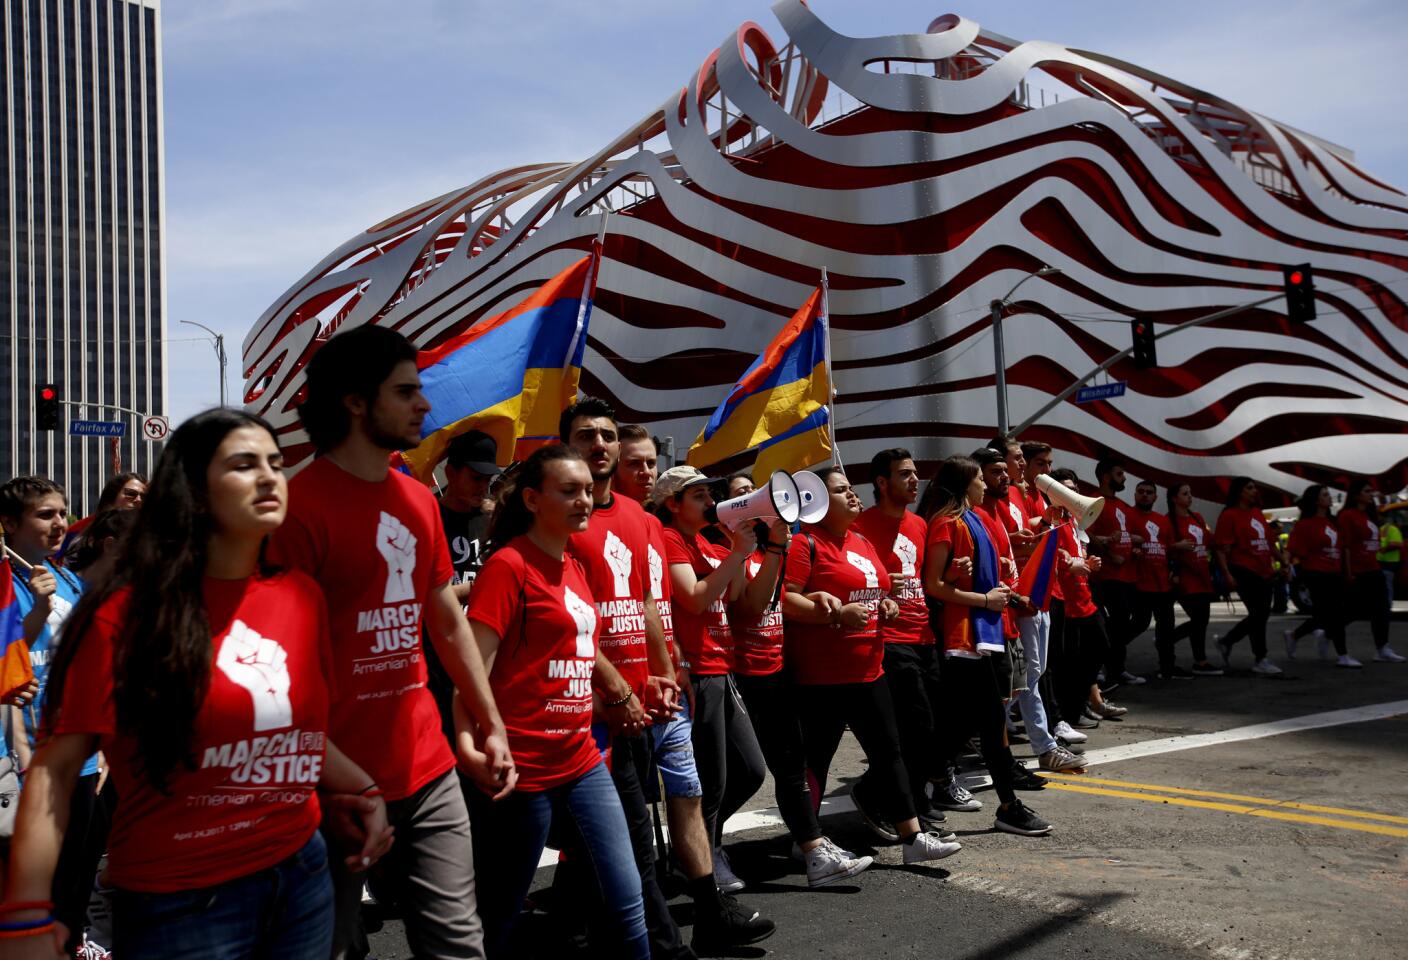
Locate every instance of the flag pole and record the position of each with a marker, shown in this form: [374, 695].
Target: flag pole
[830, 381]
[584, 305]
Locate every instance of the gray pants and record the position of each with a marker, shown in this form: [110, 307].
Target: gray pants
[430, 871]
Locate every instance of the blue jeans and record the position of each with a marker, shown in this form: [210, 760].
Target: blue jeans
[673, 750]
[509, 837]
[1035, 637]
[282, 913]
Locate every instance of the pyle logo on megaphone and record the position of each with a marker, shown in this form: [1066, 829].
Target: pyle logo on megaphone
[779, 497]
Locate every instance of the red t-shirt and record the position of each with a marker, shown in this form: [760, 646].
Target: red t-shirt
[542, 609]
[705, 640]
[1194, 575]
[1117, 522]
[1151, 562]
[945, 530]
[850, 570]
[1242, 533]
[259, 739]
[994, 513]
[1074, 586]
[899, 542]
[614, 552]
[660, 586]
[1360, 537]
[1315, 542]
[378, 551]
[757, 641]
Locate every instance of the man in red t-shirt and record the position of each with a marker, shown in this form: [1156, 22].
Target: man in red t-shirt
[614, 551]
[1114, 539]
[911, 659]
[1153, 598]
[371, 537]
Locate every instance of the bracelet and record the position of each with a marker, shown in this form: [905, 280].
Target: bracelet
[27, 927]
[18, 905]
[623, 701]
[778, 548]
[370, 790]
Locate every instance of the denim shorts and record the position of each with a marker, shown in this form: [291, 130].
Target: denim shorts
[672, 750]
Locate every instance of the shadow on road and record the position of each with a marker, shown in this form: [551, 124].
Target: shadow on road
[1024, 942]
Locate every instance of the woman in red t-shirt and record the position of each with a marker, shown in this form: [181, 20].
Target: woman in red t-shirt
[535, 621]
[704, 579]
[1314, 547]
[972, 683]
[1370, 596]
[201, 674]
[535, 624]
[1189, 561]
[836, 592]
[1245, 550]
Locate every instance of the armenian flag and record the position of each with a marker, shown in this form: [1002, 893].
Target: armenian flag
[1039, 573]
[780, 408]
[511, 375]
[15, 668]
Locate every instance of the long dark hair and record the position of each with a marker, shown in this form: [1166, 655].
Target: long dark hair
[161, 654]
[113, 523]
[1171, 493]
[108, 498]
[1356, 487]
[1234, 491]
[944, 496]
[1309, 501]
[513, 518]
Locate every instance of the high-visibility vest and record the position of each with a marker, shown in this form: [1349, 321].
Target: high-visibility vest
[1390, 543]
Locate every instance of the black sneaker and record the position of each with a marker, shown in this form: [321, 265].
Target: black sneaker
[733, 926]
[1176, 672]
[878, 825]
[1020, 820]
[951, 795]
[1024, 779]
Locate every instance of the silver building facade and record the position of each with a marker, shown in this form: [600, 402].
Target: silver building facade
[82, 291]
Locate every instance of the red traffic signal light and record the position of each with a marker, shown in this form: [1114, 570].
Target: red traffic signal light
[1300, 293]
[47, 393]
[1145, 354]
[46, 408]
[1295, 278]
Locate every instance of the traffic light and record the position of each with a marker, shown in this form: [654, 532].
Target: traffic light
[46, 408]
[1145, 356]
[1300, 293]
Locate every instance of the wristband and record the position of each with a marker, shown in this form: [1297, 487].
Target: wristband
[623, 701]
[777, 548]
[8, 908]
[26, 926]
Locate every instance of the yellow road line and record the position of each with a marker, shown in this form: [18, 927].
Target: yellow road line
[1233, 808]
[1258, 801]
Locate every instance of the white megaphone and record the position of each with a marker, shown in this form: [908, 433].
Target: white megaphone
[1084, 509]
[778, 498]
[815, 497]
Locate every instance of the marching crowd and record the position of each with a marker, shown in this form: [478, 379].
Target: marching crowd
[276, 698]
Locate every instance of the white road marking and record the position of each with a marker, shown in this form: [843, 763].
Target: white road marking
[769, 816]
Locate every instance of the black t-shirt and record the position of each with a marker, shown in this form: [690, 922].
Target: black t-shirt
[467, 535]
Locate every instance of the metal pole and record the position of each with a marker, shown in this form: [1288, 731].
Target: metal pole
[999, 363]
[219, 339]
[1195, 322]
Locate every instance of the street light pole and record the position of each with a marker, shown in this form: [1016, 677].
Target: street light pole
[219, 339]
[999, 359]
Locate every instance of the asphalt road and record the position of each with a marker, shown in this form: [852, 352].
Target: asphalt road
[1289, 846]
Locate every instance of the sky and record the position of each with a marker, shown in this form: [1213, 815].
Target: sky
[293, 124]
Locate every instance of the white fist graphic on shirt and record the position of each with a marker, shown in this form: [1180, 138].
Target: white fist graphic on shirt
[619, 558]
[908, 554]
[1333, 535]
[657, 573]
[1152, 529]
[260, 666]
[584, 616]
[397, 547]
[1259, 528]
[863, 564]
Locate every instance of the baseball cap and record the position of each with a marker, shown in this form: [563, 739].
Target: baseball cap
[476, 450]
[675, 480]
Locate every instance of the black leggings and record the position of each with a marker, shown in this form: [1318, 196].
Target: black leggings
[827, 709]
[1255, 591]
[912, 674]
[1369, 599]
[1157, 607]
[772, 706]
[1116, 600]
[731, 767]
[971, 701]
[1198, 606]
[1086, 647]
[1326, 606]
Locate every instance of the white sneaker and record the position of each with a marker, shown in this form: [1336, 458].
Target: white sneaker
[1346, 660]
[801, 855]
[1069, 733]
[826, 865]
[1386, 654]
[1289, 636]
[1266, 668]
[724, 878]
[924, 847]
[1322, 644]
